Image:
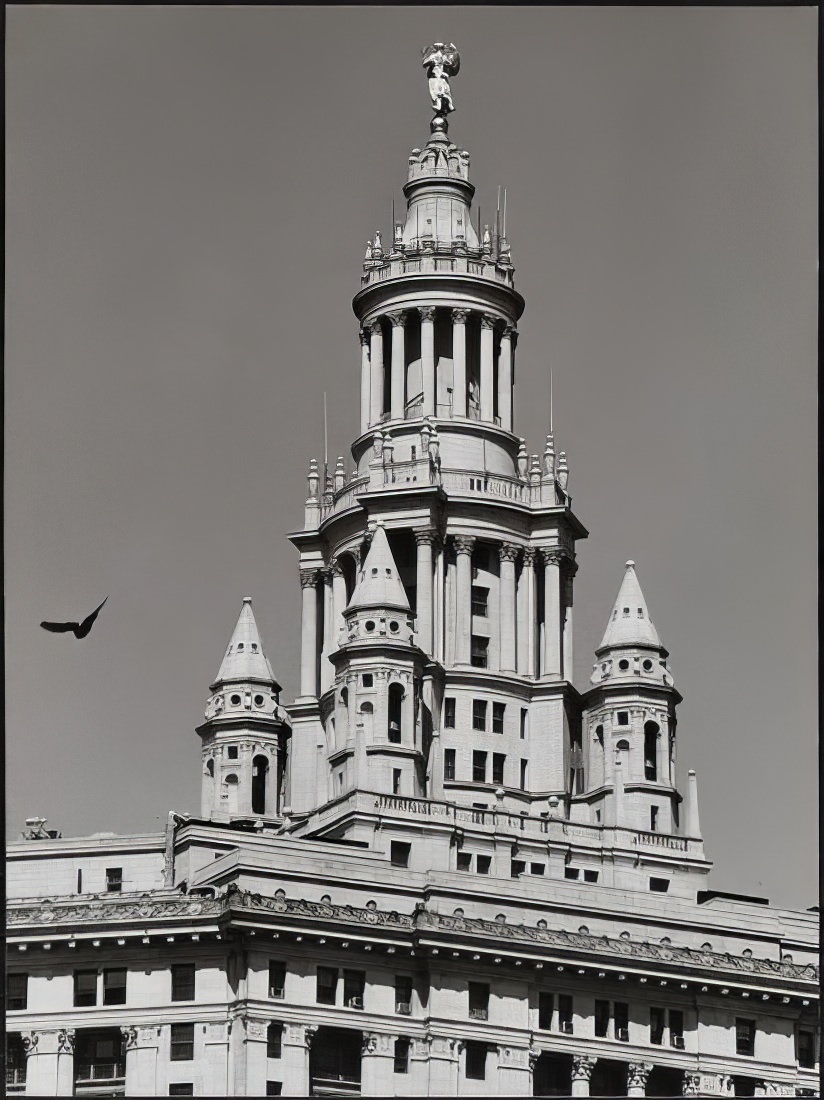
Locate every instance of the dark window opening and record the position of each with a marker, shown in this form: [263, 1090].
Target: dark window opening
[403, 995]
[479, 767]
[114, 986]
[183, 1043]
[744, 1036]
[401, 1061]
[15, 1059]
[395, 713]
[620, 1013]
[571, 872]
[354, 982]
[183, 982]
[478, 1001]
[449, 764]
[476, 1061]
[396, 780]
[537, 868]
[231, 751]
[335, 1062]
[545, 1010]
[260, 771]
[653, 819]
[565, 1013]
[498, 711]
[483, 863]
[99, 1056]
[659, 885]
[327, 985]
[623, 717]
[449, 714]
[553, 1075]
[464, 861]
[367, 679]
[399, 853]
[274, 1040]
[479, 714]
[656, 1026]
[676, 1028]
[277, 979]
[114, 880]
[17, 989]
[498, 764]
[805, 1048]
[524, 765]
[517, 867]
[651, 751]
[479, 652]
[85, 988]
[590, 876]
[524, 713]
[601, 1018]
[274, 1088]
[480, 601]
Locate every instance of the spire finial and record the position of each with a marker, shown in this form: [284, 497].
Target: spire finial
[441, 60]
[630, 564]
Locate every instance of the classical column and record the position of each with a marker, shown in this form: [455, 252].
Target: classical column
[428, 358]
[376, 372]
[398, 396]
[567, 574]
[297, 1039]
[507, 553]
[527, 615]
[338, 603]
[637, 1074]
[308, 632]
[514, 1071]
[505, 379]
[377, 1064]
[425, 540]
[582, 1067]
[364, 382]
[327, 671]
[438, 601]
[65, 1062]
[459, 317]
[463, 599]
[692, 825]
[551, 656]
[40, 1048]
[487, 371]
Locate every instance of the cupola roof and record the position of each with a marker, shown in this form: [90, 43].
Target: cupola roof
[244, 658]
[379, 582]
[630, 624]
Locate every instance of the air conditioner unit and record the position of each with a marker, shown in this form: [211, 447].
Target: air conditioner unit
[355, 1002]
[622, 1034]
[403, 1008]
[566, 1027]
[677, 1041]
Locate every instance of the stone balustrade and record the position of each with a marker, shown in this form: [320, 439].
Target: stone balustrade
[437, 260]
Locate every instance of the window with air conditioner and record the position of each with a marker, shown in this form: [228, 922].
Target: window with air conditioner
[354, 983]
[478, 1001]
[403, 995]
[620, 1013]
[277, 979]
[676, 1028]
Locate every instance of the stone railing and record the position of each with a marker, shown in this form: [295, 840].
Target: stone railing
[346, 497]
[437, 261]
[661, 840]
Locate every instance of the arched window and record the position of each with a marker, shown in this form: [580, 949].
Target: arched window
[260, 771]
[230, 792]
[623, 745]
[651, 750]
[210, 768]
[395, 712]
[599, 735]
[344, 696]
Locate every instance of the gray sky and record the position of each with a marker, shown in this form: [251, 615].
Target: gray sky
[189, 195]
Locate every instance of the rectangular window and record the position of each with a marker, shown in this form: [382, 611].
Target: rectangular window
[183, 1043]
[401, 1056]
[403, 995]
[476, 1061]
[114, 880]
[231, 752]
[449, 764]
[805, 1049]
[517, 867]
[399, 853]
[274, 1088]
[480, 601]
[327, 985]
[590, 876]
[449, 714]
[620, 1013]
[354, 982]
[524, 764]
[676, 1028]
[479, 714]
[478, 1001]
[571, 872]
[656, 1026]
[274, 1040]
[744, 1036]
[659, 885]
[524, 713]
[537, 868]
[545, 1010]
[479, 767]
[277, 979]
[79, 880]
[483, 864]
[182, 1088]
[114, 986]
[498, 711]
[623, 717]
[367, 679]
[183, 982]
[479, 652]
[498, 764]
[17, 992]
[601, 1019]
[653, 819]
[464, 861]
[565, 1013]
[85, 988]
[396, 781]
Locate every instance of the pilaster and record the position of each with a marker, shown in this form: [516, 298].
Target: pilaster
[377, 1064]
[297, 1040]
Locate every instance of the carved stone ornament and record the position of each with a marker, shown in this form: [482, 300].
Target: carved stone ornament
[65, 1041]
[426, 535]
[398, 319]
[427, 313]
[129, 1033]
[441, 60]
[487, 320]
[29, 1039]
[464, 544]
[364, 336]
[778, 1088]
[308, 578]
[637, 1074]
[691, 1085]
[256, 1029]
[369, 1044]
[582, 1067]
[507, 551]
[459, 316]
[309, 1034]
[552, 555]
[533, 1054]
[530, 553]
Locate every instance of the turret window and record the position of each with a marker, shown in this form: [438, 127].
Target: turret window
[367, 680]
[640, 612]
[651, 751]
[498, 711]
[231, 752]
[260, 770]
[449, 714]
[480, 648]
[623, 717]
[626, 612]
[653, 819]
[234, 700]
[449, 764]
[498, 765]
[623, 665]
[647, 666]
[479, 767]
[479, 714]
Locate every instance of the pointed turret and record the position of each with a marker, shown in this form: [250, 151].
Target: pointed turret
[244, 659]
[379, 582]
[629, 623]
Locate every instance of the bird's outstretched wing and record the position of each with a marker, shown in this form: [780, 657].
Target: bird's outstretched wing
[60, 628]
[88, 622]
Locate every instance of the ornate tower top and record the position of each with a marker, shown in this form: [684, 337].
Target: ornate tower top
[440, 61]
[244, 659]
[629, 623]
[379, 583]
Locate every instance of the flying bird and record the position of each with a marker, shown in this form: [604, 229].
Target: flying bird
[80, 630]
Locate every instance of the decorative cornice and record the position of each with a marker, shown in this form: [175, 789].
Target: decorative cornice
[530, 554]
[364, 337]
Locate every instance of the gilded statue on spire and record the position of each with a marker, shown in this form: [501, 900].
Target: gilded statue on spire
[441, 61]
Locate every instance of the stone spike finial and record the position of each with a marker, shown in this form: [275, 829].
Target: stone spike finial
[692, 822]
[562, 474]
[313, 479]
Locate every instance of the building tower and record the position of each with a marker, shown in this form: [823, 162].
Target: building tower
[246, 732]
[478, 539]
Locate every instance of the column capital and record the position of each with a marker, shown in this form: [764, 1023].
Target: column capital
[530, 554]
[426, 535]
[374, 1042]
[397, 318]
[326, 573]
[582, 1067]
[509, 333]
[65, 1041]
[335, 567]
[308, 578]
[29, 1039]
[691, 1085]
[637, 1074]
[459, 316]
[508, 551]
[363, 335]
[553, 555]
[427, 313]
[129, 1033]
[375, 327]
[464, 544]
[488, 321]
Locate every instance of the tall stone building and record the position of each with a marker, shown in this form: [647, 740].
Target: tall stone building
[442, 869]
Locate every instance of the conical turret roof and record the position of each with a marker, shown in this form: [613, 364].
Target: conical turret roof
[629, 623]
[244, 658]
[379, 582]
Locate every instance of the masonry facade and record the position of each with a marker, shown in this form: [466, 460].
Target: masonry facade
[442, 869]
